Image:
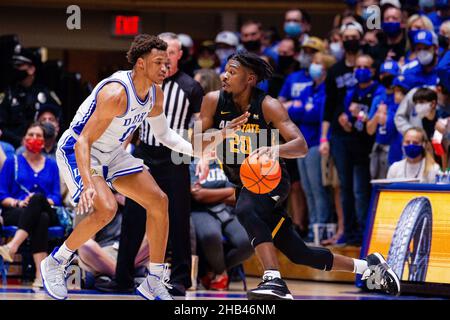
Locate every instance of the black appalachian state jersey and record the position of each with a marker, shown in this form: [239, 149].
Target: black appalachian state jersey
[254, 134]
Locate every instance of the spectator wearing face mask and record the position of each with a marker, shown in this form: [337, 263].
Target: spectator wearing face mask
[29, 187]
[440, 14]
[226, 45]
[444, 38]
[425, 100]
[423, 71]
[297, 24]
[251, 39]
[419, 109]
[48, 115]
[419, 162]
[415, 24]
[392, 43]
[352, 153]
[387, 146]
[309, 48]
[287, 64]
[335, 47]
[22, 100]
[307, 113]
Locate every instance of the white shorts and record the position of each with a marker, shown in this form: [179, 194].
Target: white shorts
[109, 165]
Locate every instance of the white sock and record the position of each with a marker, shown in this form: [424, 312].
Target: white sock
[272, 274]
[63, 254]
[156, 268]
[360, 266]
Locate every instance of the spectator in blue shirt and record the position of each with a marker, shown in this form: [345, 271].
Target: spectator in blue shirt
[387, 147]
[423, 71]
[29, 187]
[440, 15]
[307, 113]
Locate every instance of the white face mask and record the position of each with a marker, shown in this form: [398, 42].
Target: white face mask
[422, 109]
[425, 57]
[336, 50]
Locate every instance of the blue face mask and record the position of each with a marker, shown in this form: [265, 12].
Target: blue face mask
[363, 75]
[391, 29]
[293, 29]
[315, 71]
[365, 14]
[412, 151]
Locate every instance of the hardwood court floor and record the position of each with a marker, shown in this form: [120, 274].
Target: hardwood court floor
[302, 290]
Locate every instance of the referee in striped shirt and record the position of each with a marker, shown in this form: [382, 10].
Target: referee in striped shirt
[182, 100]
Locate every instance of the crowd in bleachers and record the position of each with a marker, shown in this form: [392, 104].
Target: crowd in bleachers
[371, 101]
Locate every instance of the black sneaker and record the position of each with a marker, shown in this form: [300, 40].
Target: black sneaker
[270, 289]
[111, 286]
[380, 275]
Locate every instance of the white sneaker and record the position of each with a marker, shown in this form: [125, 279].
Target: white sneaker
[37, 283]
[53, 274]
[155, 287]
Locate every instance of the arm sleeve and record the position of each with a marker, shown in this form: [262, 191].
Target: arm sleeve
[167, 136]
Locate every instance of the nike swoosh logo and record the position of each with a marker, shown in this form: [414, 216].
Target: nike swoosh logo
[222, 112]
[133, 109]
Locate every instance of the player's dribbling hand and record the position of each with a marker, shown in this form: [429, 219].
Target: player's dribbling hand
[86, 202]
[262, 152]
[235, 124]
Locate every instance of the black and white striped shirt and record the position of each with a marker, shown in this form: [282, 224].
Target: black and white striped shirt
[182, 98]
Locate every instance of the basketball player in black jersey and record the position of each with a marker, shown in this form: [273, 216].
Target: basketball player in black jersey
[242, 114]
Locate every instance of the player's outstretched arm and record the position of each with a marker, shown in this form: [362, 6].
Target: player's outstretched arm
[160, 127]
[205, 140]
[111, 102]
[276, 114]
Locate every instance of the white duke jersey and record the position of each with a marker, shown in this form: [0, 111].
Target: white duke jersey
[121, 126]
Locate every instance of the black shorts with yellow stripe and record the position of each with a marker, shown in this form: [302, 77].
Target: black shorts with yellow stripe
[265, 219]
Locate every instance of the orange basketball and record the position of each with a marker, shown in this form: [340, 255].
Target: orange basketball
[260, 175]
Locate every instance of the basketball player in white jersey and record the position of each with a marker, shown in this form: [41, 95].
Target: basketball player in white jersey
[91, 159]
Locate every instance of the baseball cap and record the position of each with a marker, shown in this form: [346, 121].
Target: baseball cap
[227, 37]
[186, 40]
[391, 67]
[26, 55]
[426, 37]
[399, 81]
[314, 43]
[394, 3]
[352, 25]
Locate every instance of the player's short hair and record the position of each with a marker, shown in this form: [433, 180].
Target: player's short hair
[143, 44]
[261, 68]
